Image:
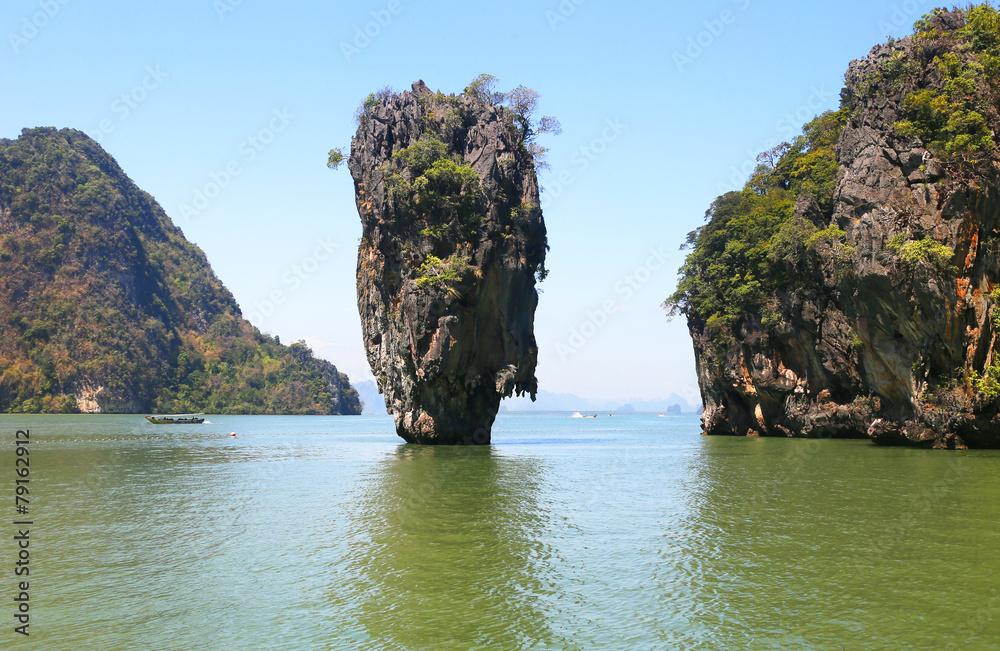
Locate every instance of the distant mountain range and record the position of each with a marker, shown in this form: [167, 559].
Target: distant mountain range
[548, 401]
[371, 399]
[568, 402]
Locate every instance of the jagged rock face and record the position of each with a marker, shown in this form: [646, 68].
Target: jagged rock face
[447, 261]
[887, 349]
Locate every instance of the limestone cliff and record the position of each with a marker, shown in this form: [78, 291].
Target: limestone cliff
[873, 310]
[452, 241]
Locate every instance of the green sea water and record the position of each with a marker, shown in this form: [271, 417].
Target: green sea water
[624, 532]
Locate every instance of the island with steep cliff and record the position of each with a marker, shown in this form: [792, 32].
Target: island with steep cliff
[105, 306]
[453, 244]
[850, 289]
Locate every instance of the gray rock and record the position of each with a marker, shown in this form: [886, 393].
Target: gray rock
[886, 350]
[445, 350]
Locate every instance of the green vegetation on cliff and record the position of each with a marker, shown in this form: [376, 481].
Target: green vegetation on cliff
[435, 271]
[950, 108]
[443, 190]
[754, 242]
[103, 301]
[851, 288]
[437, 194]
[519, 106]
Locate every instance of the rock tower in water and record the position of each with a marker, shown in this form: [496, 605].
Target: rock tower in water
[453, 242]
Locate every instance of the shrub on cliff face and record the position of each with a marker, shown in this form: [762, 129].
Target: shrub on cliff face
[368, 105]
[520, 105]
[419, 156]
[950, 121]
[435, 271]
[835, 240]
[442, 187]
[335, 158]
[951, 117]
[925, 250]
[987, 384]
[995, 311]
[753, 244]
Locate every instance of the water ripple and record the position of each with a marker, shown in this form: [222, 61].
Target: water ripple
[326, 533]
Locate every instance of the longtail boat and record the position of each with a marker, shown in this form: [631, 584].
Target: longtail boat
[170, 420]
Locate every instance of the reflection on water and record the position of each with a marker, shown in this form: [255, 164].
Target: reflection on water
[447, 551]
[616, 533]
[139, 545]
[823, 544]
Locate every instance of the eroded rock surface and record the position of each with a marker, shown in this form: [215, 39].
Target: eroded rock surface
[453, 239]
[882, 342]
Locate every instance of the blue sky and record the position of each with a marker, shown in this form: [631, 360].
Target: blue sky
[224, 111]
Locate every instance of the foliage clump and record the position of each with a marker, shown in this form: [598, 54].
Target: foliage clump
[925, 250]
[376, 99]
[835, 239]
[432, 182]
[950, 110]
[436, 272]
[519, 107]
[335, 158]
[951, 121]
[987, 384]
[898, 70]
[754, 243]
[995, 312]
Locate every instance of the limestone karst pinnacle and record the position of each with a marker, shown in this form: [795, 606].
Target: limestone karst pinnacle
[453, 240]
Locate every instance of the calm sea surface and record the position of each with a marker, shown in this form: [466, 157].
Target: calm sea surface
[624, 532]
